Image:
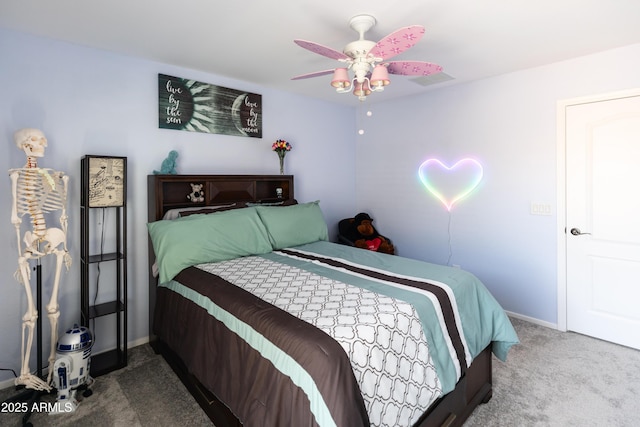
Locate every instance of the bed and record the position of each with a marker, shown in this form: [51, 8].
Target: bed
[268, 323]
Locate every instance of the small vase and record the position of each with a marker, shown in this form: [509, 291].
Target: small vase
[281, 156]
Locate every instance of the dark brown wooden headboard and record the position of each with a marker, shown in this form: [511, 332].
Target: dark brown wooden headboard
[166, 192]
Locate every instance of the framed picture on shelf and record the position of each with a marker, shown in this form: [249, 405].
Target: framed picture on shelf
[106, 181]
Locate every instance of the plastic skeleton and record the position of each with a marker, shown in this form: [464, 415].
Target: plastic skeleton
[38, 191]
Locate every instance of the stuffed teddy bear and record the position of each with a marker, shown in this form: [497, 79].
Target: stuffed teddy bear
[364, 235]
[197, 195]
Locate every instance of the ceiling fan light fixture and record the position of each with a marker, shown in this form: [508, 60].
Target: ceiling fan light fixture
[361, 90]
[341, 79]
[380, 77]
[364, 59]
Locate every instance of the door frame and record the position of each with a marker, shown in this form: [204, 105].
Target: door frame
[561, 193]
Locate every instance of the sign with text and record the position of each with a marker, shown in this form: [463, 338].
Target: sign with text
[202, 107]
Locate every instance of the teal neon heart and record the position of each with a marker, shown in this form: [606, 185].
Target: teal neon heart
[450, 184]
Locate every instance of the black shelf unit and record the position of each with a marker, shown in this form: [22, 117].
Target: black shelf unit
[104, 187]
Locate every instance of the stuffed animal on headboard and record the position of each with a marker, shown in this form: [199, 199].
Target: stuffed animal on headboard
[196, 195]
[168, 166]
[361, 232]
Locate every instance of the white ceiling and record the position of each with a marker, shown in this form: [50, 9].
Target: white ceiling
[252, 40]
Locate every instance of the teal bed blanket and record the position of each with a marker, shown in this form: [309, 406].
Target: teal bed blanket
[409, 328]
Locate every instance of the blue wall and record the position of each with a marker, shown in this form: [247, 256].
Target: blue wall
[94, 102]
[509, 124]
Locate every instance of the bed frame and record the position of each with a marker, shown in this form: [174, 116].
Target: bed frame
[167, 192]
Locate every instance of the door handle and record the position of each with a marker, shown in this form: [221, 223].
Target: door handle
[577, 232]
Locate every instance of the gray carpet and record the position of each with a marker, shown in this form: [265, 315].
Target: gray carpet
[563, 379]
[145, 393]
[550, 379]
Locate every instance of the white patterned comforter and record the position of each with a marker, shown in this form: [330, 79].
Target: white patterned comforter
[383, 336]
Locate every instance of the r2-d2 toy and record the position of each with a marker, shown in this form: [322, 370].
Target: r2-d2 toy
[71, 368]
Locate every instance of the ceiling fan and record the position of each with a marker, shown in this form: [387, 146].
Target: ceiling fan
[366, 58]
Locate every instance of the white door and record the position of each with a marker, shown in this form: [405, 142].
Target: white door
[603, 218]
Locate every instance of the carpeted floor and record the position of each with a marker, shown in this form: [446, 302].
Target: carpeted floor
[145, 393]
[551, 379]
[563, 379]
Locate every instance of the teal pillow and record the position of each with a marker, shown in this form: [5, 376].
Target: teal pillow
[294, 225]
[200, 238]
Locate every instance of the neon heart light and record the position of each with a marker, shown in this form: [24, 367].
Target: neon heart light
[450, 184]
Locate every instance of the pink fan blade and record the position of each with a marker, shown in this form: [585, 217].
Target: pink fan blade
[309, 75]
[413, 68]
[397, 42]
[321, 50]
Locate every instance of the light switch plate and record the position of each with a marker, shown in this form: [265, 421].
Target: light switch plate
[538, 208]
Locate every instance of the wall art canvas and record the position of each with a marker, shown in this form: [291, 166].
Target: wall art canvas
[202, 107]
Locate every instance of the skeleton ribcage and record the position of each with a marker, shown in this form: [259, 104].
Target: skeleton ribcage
[39, 191]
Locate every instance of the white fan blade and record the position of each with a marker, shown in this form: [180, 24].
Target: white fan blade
[397, 42]
[413, 68]
[316, 74]
[321, 50]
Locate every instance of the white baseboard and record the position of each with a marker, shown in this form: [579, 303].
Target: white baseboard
[140, 341]
[130, 345]
[532, 320]
[6, 384]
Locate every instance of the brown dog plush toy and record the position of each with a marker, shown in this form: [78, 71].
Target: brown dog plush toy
[364, 235]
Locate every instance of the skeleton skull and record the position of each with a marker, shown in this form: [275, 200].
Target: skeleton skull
[31, 141]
